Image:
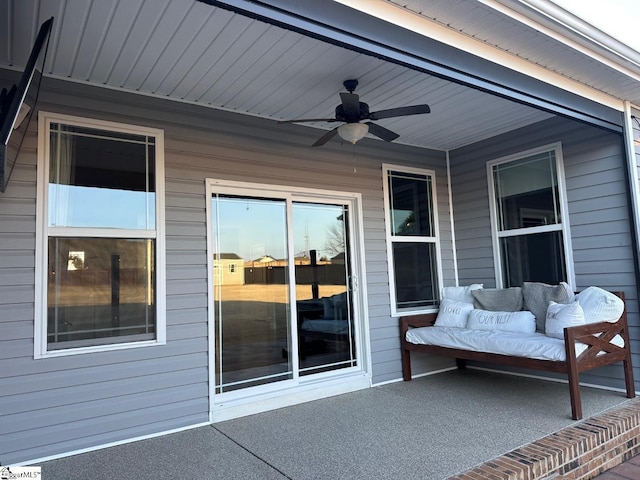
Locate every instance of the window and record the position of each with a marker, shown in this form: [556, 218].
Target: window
[529, 219]
[100, 280]
[412, 238]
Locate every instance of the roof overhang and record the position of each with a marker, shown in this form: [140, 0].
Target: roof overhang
[286, 59]
[406, 42]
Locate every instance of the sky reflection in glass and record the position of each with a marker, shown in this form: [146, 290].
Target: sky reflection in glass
[91, 207]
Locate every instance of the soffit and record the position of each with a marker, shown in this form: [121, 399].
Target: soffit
[191, 52]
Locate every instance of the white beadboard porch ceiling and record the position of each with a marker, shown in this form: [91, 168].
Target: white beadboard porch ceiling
[191, 52]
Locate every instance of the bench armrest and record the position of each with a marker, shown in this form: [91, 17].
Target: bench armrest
[416, 321]
[597, 337]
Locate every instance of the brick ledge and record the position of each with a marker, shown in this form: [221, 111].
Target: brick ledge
[578, 452]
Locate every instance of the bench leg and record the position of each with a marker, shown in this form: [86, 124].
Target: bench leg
[628, 378]
[406, 365]
[574, 393]
[461, 363]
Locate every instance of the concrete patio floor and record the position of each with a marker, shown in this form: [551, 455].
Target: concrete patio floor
[431, 428]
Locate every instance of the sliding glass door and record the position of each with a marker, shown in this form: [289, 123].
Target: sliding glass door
[282, 289]
[251, 292]
[323, 296]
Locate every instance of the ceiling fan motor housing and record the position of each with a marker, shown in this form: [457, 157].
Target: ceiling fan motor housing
[342, 116]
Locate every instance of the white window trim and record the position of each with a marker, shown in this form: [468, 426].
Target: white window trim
[42, 234]
[564, 227]
[390, 239]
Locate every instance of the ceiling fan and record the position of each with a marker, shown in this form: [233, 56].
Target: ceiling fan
[352, 111]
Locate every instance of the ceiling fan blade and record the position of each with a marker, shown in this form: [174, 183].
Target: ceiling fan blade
[400, 112]
[309, 120]
[384, 133]
[351, 105]
[326, 137]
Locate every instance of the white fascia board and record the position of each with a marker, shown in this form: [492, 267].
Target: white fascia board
[416, 23]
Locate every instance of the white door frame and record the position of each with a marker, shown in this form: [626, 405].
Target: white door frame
[280, 394]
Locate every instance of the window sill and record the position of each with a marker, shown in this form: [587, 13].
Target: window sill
[96, 349]
[404, 313]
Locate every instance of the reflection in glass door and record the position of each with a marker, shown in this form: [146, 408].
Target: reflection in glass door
[323, 296]
[251, 292]
[282, 290]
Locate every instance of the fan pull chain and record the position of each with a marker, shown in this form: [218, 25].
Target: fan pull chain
[353, 152]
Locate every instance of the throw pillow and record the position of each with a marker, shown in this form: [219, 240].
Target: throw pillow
[520, 322]
[335, 306]
[453, 314]
[327, 308]
[600, 305]
[538, 295]
[498, 299]
[561, 315]
[460, 294]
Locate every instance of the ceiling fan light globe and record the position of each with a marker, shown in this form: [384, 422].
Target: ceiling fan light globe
[352, 132]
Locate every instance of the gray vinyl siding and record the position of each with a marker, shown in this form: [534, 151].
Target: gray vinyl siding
[596, 187]
[57, 405]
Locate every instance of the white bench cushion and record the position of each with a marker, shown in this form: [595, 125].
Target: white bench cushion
[534, 345]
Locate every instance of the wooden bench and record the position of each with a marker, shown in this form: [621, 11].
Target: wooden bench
[596, 336]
